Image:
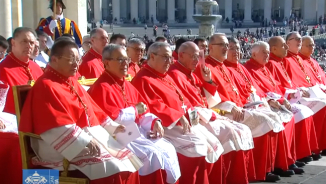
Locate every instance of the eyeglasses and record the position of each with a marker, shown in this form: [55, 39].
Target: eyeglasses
[225, 45]
[166, 58]
[72, 60]
[296, 38]
[193, 56]
[234, 49]
[121, 60]
[138, 49]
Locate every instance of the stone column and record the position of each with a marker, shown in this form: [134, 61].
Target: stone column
[267, 10]
[152, 10]
[134, 9]
[309, 11]
[29, 10]
[228, 9]
[6, 19]
[97, 10]
[190, 5]
[287, 8]
[17, 19]
[320, 8]
[247, 11]
[171, 11]
[142, 8]
[77, 11]
[116, 10]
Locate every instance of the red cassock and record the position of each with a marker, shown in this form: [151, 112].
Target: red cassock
[307, 139]
[15, 72]
[52, 99]
[165, 100]
[193, 88]
[113, 94]
[91, 66]
[228, 92]
[133, 69]
[245, 82]
[300, 75]
[266, 81]
[314, 68]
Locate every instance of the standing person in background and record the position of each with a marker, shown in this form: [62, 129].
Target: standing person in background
[58, 25]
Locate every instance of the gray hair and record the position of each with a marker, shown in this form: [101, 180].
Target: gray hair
[94, 32]
[290, 34]
[212, 38]
[136, 41]
[233, 40]
[109, 49]
[86, 37]
[258, 45]
[155, 47]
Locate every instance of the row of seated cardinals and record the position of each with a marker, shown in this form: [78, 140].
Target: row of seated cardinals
[201, 120]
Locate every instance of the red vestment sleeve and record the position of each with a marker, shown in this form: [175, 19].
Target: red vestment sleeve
[51, 105]
[104, 99]
[156, 104]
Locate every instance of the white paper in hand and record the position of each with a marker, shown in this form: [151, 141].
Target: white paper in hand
[131, 134]
[297, 97]
[316, 92]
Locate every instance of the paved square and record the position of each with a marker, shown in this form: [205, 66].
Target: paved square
[315, 173]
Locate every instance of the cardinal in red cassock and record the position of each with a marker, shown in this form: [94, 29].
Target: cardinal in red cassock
[76, 128]
[194, 144]
[236, 138]
[123, 103]
[304, 80]
[92, 66]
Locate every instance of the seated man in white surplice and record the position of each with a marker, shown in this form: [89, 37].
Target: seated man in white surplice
[69, 122]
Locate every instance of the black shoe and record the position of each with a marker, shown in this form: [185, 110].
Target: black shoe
[323, 153]
[296, 169]
[316, 157]
[282, 173]
[300, 164]
[272, 177]
[306, 159]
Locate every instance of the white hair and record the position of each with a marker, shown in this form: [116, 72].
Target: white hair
[155, 47]
[109, 49]
[136, 41]
[258, 45]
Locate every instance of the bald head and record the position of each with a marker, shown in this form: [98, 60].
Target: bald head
[307, 39]
[308, 46]
[216, 36]
[274, 41]
[278, 47]
[189, 55]
[99, 39]
[189, 45]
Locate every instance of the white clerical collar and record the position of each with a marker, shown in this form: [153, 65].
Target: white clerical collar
[216, 59]
[60, 17]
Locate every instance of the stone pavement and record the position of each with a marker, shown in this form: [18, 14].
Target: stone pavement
[315, 173]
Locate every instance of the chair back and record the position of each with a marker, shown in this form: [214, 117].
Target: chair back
[20, 94]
